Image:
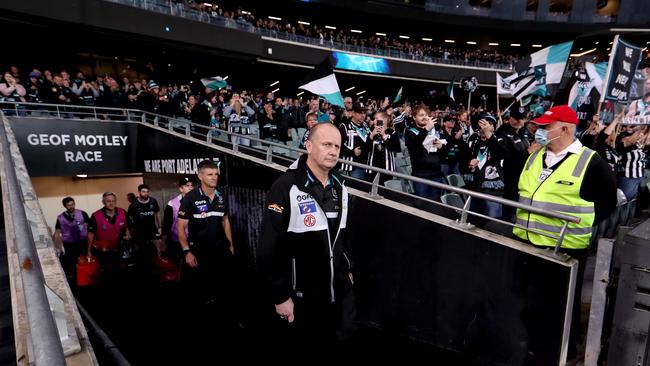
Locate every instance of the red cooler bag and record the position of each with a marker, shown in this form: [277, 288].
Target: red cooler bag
[167, 270]
[87, 271]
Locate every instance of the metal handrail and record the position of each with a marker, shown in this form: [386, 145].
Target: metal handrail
[46, 345]
[145, 118]
[167, 8]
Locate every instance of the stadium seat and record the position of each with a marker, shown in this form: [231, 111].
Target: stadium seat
[395, 184]
[456, 180]
[452, 199]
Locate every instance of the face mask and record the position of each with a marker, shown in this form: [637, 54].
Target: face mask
[541, 136]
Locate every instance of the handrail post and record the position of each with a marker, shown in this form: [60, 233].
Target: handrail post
[374, 190]
[269, 154]
[208, 136]
[58, 112]
[95, 112]
[560, 239]
[155, 121]
[16, 108]
[235, 147]
[463, 216]
[188, 132]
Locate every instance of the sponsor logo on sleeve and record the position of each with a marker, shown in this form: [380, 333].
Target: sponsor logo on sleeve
[276, 208]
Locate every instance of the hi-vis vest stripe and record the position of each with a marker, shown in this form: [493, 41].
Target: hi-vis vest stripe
[560, 192]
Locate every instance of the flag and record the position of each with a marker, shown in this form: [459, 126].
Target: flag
[589, 90]
[214, 83]
[450, 89]
[623, 62]
[504, 86]
[398, 97]
[322, 82]
[541, 72]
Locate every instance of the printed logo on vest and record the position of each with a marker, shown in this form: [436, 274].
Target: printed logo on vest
[564, 182]
[310, 220]
[202, 208]
[307, 207]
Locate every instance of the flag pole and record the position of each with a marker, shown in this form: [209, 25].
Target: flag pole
[499, 111]
[510, 105]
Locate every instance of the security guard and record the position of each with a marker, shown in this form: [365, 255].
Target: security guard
[302, 256]
[208, 248]
[567, 177]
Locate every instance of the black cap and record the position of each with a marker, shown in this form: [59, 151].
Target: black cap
[183, 181]
[518, 113]
[359, 107]
[644, 63]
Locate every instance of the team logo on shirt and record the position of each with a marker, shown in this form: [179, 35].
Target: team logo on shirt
[307, 207]
[310, 220]
[202, 208]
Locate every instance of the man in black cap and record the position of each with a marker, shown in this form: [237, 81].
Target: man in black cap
[356, 141]
[509, 143]
[170, 221]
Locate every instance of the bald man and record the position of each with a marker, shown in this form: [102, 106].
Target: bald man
[302, 252]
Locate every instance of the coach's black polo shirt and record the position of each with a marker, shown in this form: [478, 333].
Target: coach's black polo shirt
[205, 218]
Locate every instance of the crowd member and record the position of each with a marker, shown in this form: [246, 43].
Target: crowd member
[465, 124]
[425, 160]
[302, 253]
[631, 146]
[485, 172]
[312, 120]
[106, 228]
[567, 177]
[33, 87]
[237, 110]
[356, 142]
[144, 223]
[451, 152]
[509, 144]
[70, 237]
[385, 144]
[170, 221]
[11, 90]
[208, 246]
[268, 120]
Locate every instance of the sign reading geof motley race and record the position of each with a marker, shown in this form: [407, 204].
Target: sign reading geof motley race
[53, 147]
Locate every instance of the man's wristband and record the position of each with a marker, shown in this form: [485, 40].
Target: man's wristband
[186, 250]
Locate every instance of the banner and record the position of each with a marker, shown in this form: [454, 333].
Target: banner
[636, 120]
[469, 84]
[66, 148]
[623, 62]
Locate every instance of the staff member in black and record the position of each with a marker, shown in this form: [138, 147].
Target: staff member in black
[208, 248]
[302, 252]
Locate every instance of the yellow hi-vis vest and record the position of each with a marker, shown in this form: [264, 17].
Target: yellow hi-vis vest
[560, 191]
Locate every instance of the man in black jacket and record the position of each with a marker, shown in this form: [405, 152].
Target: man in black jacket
[302, 256]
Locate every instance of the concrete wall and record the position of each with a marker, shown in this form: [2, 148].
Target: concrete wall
[87, 193]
